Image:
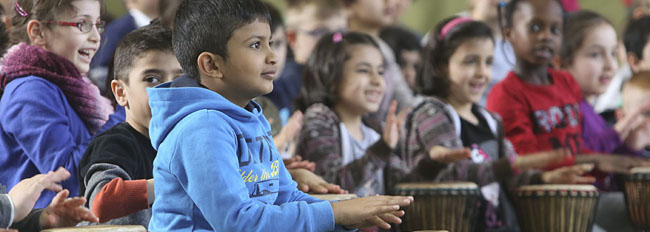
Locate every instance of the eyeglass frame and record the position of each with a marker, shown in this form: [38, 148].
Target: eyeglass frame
[79, 24]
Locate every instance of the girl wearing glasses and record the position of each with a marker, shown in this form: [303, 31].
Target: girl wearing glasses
[49, 110]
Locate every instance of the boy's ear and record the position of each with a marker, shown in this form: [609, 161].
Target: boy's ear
[36, 33]
[633, 61]
[210, 65]
[119, 91]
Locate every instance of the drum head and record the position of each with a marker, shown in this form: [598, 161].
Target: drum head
[100, 228]
[442, 188]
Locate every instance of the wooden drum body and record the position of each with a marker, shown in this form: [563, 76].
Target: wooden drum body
[449, 206]
[556, 207]
[637, 197]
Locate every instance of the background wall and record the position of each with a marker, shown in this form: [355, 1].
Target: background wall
[425, 14]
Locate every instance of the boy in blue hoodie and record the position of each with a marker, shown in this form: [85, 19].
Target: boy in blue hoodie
[217, 168]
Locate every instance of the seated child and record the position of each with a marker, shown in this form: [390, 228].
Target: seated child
[540, 106]
[343, 82]
[217, 168]
[636, 90]
[406, 49]
[450, 137]
[49, 111]
[116, 170]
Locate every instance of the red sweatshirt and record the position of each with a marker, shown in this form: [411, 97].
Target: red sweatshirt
[540, 118]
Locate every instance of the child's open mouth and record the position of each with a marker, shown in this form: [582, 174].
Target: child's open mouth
[86, 53]
[373, 95]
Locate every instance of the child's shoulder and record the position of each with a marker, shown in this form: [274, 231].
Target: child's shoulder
[320, 111]
[35, 83]
[429, 106]
[119, 138]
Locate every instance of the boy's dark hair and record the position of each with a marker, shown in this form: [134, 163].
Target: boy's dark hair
[433, 77]
[207, 25]
[153, 37]
[400, 39]
[276, 17]
[324, 8]
[324, 68]
[579, 23]
[41, 10]
[636, 36]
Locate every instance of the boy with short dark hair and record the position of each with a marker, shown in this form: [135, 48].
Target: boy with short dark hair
[217, 168]
[116, 170]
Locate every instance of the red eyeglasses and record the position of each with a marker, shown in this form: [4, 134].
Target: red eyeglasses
[84, 26]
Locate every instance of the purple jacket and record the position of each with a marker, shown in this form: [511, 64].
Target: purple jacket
[598, 136]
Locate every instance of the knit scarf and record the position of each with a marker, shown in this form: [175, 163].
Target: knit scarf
[23, 60]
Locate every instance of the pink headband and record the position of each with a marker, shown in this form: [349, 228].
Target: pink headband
[20, 10]
[451, 24]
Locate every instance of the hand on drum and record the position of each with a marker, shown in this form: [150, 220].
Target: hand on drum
[311, 183]
[370, 211]
[609, 163]
[64, 212]
[540, 160]
[297, 162]
[569, 175]
[446, 155]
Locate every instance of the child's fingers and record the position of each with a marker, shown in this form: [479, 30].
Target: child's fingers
[75, 202]
[381, 209]
[390, 218]
[60, 197]
[584, 180]
[377, 221]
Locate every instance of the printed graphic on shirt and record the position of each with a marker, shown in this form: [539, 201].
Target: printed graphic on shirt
[556, 117]
[478, 155]
[260, 166]
[563, 118]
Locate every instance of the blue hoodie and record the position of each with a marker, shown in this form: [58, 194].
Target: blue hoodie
[218, 170]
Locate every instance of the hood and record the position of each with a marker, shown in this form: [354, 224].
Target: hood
[171, 102]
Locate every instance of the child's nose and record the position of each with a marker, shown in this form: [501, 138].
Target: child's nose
[271, 57]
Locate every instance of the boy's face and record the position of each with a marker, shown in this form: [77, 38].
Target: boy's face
[640, 65]
[373, 13]
[536, 33]
[149, 70]
[632, 97]
[250, 68]
[305, 29]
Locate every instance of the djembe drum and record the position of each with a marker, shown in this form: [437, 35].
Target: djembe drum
[451, 206]
[637, 197]
[100, 228]
[334, 197]
[556, 208]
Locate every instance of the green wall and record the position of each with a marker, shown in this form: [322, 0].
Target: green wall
[424, 14]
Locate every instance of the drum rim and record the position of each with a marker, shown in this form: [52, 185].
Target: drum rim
[459, 185]
[559, 187]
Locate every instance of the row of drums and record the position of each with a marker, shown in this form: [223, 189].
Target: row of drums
[453, 206]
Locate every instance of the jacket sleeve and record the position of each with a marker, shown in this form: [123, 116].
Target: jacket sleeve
[112, 194]
[6, 211]
[320, 142]
[30, 223]
[48, 142]
[220, 168]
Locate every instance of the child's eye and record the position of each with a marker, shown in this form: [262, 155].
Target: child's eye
[152, 79]
[594, 55]
[256, 45]
[380, 72]
[555, 30]
[471, 60]
[535, 28]
[363, 71]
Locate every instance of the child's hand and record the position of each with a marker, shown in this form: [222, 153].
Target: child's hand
[66, 212]
[393, 127]
[569, 175]
[446, 155]
[311, 183]
[296, 162]
[27, 191]
[609, 163]
[370, 211]
[629, 122]
[289, 132]
[541, 159]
